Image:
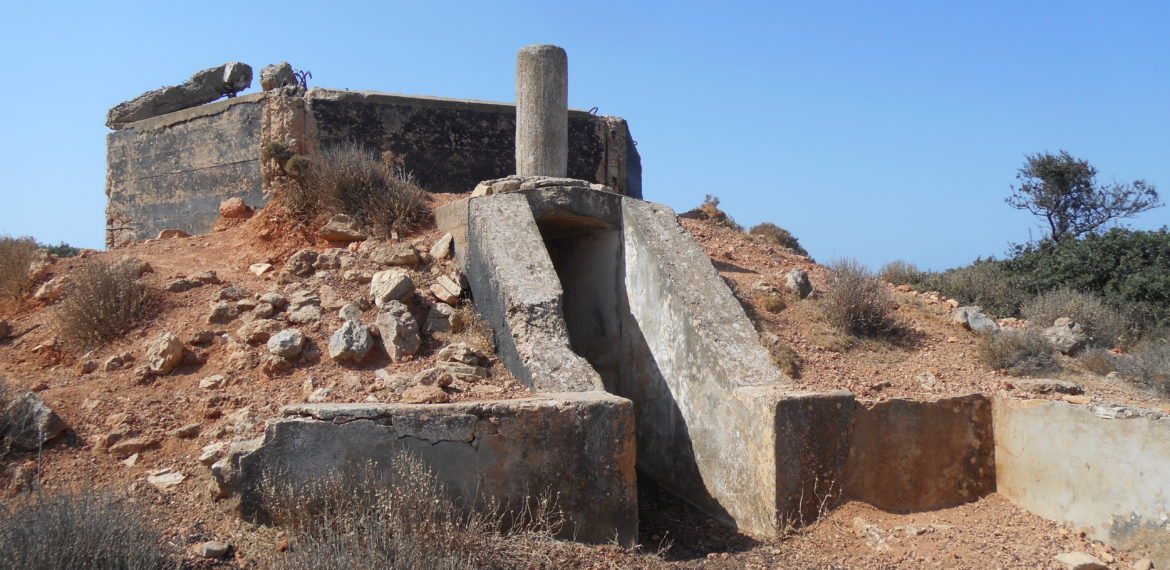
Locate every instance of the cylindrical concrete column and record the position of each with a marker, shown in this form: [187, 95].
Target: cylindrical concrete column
[542, 111]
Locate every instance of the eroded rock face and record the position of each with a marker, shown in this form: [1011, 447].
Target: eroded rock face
[1066, 336]
[277, 76]
[203, 87]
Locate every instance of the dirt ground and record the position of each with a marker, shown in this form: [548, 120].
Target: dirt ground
[990, 532]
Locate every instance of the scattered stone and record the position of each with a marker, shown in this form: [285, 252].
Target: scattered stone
[52, 289]
[133, 266]
[263, 311]
[88, 366]
[213, 382]
[927, 381]
[132, 460]
[127, 447]
[352, 382]
[1080, 400]
[172, 234]
[31, 423]
[973, 319]
[202, 338]
[333, 258]
[272, 364]
[258, 331]
[275, 299]
[117, 362]
[393, 254]
[223, 312]
[212, 452]
[1143, 564]
[165, 478]
[1048, 386]
[203, 87]
[39, 267]
[444, 318]
[442, 247]
[434, 376]
[351, 342]
[234, 207]
[259, 269]
[350, 312]
[181, 285]
[212, 548]
[276, 76]
[1079, 561]
[797, 281]
[187, 431]
[357, 276]
[329, 297]
[872, 534]
[460, 352]
[320, 395]
[447, 290]
[206, 277]
[425, 395]
[1066, 336]
[305, 315]
[301, 263]
[342, 228]
[164, 354]
[232, 293]
[287, 343]
[398, 330]
[390, 285]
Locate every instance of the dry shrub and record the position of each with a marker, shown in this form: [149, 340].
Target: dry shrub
[79, 530]
[15, 256]
[348, 179]
[476, 333]
[900, 272]
[1149, 366]
[856, 302]
[103, 302]
[777, 235]
[1098, 360]
[402, 517]
[709, 210]
[1019, 352]
[773, 303]
[783, 356]
[1106, 326]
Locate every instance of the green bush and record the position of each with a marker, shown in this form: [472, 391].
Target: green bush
[103, 302]
[1019, 352]
[15, 256]
[78, 531]
[1126, 268]
[985, 283]
[1106, 326]
[63, 249]
[777, 235]
[856, 302]
[349, 180]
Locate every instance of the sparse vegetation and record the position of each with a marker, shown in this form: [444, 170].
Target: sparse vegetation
[777, 235]
[1149, 366]
[78, 531]
[350, 180]
[402, 517]
[709, 209]
[856, 302]
[773, 302]
[103, 302]
[1106, 326]
[783, 356]
[1018, 352]
[63, 249]
[15, 256]
[900, 272]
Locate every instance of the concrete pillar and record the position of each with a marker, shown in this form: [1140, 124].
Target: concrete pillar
[542, 111]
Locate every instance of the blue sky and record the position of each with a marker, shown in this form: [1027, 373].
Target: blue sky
[875, 130]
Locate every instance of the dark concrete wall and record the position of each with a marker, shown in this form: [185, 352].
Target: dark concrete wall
[172, 171]
[451, 145]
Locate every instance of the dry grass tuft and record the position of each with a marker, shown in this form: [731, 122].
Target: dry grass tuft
[1107, 326]
[783, 356]
[103, 302]
[856, 301]
[1019, 352]
[15, 256]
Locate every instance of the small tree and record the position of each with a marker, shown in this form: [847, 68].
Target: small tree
[1063, 191]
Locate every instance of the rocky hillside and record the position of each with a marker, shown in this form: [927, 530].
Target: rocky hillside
[263, 313]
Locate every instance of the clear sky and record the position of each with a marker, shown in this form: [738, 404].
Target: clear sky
[877, 130]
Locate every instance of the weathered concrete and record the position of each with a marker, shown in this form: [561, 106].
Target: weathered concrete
[203, 87]
[907, 455]
[173, 171]
[450, 145]
[1098, 467]
[542, 104]
[578, 447]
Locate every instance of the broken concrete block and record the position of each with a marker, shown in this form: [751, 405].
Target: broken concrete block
[203, 87]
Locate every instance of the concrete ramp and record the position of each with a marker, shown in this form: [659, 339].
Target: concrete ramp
[589, 290]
